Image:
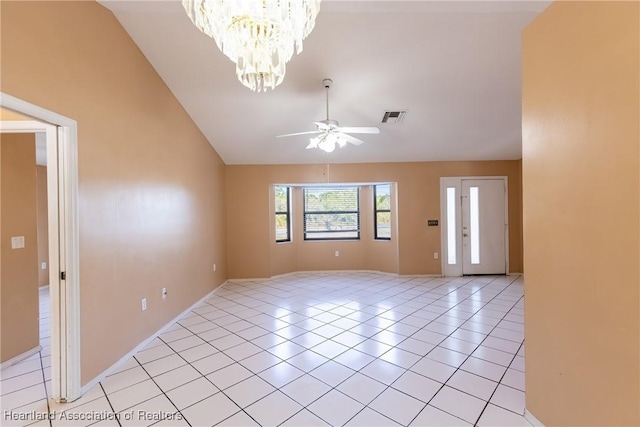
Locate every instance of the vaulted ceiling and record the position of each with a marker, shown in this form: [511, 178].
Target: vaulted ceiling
[453, 65]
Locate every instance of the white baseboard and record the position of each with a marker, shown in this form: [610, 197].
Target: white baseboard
[327, 272]
[386, 273]
[422, 275]
[42, 288]
[310, 272]
[315, 272]
[532, 419]
[335, 271]
[88, 386]
[258, 279]
[19, 358]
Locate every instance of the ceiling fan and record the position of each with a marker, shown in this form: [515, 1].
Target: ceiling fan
[330, 133]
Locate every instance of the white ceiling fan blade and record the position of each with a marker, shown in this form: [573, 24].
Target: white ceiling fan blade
[362, 129]
[313, 142]
[351, 139]
[298, 133]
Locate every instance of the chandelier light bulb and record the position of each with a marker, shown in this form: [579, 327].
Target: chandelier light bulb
[260, 36]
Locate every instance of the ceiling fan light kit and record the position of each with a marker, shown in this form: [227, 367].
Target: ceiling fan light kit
[330, 133]
[260, 36]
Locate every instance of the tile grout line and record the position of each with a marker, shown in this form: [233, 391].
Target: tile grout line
[469, 355]
[500, 382]
[443, 296]
[369, 288]
[117, 417]
[378, 358]
[331, 388]
[159, 388]
[422, 357]
[388, 386]
[205, 377]
[44, 383]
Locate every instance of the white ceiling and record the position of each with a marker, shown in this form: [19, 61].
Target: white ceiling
[454, 65]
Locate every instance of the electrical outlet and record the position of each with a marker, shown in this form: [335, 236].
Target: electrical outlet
[214, 267]
[337, 253]
[435, 255]
[144, 304]
[43, 265]
[164, 293]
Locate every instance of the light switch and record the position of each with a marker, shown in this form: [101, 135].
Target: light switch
[17, 242]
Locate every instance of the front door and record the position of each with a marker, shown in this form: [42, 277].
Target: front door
[475, 231]
[483, 226]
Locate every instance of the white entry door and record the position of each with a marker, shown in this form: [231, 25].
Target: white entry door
[474, 229]
[483, 226]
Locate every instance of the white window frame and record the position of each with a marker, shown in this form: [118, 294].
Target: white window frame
[358, 189]
[376, 211]
[288, 213]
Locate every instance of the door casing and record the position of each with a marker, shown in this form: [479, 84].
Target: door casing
[62, 186]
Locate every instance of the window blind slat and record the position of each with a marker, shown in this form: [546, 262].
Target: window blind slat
[331, 213]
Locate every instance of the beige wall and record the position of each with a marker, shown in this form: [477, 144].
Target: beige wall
[42, 205]
[19, 330]
[151, 188]
[418, 199]
[43, 225]
[581, 213]
[10, 115]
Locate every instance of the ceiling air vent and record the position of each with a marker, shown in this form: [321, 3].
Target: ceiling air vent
[394, 116]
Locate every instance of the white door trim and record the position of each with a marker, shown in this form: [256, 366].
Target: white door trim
[62, 185]
[456, 181]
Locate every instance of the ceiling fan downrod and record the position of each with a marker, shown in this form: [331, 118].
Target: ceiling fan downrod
[327, 84]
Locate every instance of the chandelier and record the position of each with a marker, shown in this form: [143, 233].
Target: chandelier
[260, 36]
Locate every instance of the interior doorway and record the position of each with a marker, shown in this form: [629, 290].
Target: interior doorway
[61, 153]
[475, 226]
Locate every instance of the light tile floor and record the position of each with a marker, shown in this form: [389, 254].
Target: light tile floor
[357, 349]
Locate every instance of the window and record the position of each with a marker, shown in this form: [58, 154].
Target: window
[331, 213]
[451, 225]
[474, 224]
[382, 211]
[283, 219]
